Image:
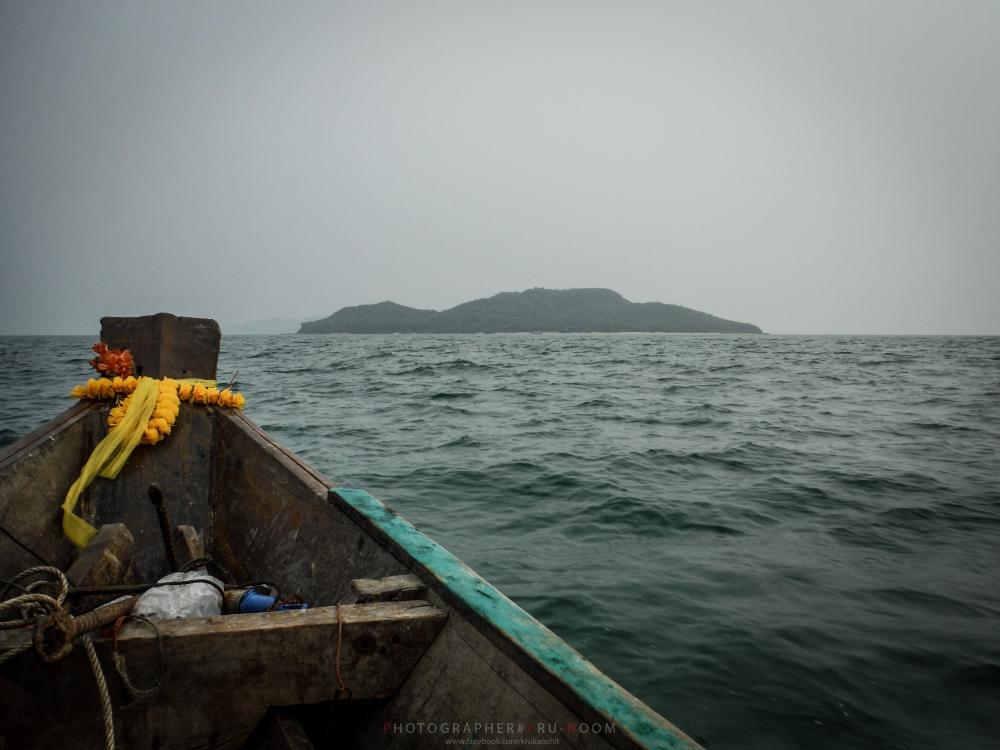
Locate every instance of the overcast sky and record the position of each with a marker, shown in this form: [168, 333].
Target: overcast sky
[807, 167]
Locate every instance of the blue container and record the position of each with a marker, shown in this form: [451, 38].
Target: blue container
[253, 601]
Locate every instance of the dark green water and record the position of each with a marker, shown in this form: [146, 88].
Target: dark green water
[777, 542]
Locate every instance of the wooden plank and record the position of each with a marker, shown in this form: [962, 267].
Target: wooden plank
[279, 730]
[182, 466]
[272, 520]
[43, 434]
[34, 479]
[165, 345]
[108, 560]
[219, 674]
[464, 679]
[188, 544]
[389, 589]
[35, 473]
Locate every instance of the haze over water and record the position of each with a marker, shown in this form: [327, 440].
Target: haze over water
[806, 167]
[777, 542]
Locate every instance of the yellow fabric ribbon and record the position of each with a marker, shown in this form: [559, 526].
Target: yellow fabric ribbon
[109, 457]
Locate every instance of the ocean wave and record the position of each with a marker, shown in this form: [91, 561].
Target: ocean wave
[634, 517]
[937, 426]
[451, 395]
[464, 441]
[927, 602]
[8, 436]
[417, 370]
[595, 403]
[464, 364]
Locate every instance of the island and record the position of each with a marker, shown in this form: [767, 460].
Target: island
[531, 311]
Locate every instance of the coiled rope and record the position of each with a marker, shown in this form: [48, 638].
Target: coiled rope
[30, 604]
[31, 607]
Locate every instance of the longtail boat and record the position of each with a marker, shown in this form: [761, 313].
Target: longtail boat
[402, 645]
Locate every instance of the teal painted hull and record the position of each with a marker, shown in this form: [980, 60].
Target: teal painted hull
[564, 664]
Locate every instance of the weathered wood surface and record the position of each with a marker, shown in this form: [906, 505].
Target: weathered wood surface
[165, 345]
[273, 520]
[279, 730]
[219, 674]
[35, 473]
[464, 679]
[389, 589]
[188, 543]
[182, 466]
[108, 560]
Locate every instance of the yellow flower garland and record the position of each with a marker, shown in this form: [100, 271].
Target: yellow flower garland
[105, 388]
[149, 420]
[195, 391]
[171, 393]
[164, 414]
[199, 393]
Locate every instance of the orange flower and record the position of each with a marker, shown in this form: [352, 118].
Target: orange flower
[110, 362]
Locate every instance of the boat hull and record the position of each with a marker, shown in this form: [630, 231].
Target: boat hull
[488, 671]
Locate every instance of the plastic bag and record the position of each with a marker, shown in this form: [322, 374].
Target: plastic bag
[190, 600]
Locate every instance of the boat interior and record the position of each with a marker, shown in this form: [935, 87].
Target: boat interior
[253, 513]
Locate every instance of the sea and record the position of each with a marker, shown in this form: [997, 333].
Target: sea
[775, 541]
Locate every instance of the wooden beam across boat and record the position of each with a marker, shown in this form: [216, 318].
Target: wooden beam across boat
[218, 675]
[388, 589]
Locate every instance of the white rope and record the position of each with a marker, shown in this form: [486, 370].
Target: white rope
[32, 606]
[55, 572]
[102, 691]
[27, 604]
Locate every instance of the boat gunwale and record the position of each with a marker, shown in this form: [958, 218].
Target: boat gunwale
[59, 423]
[559, 667]
[294, 462]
